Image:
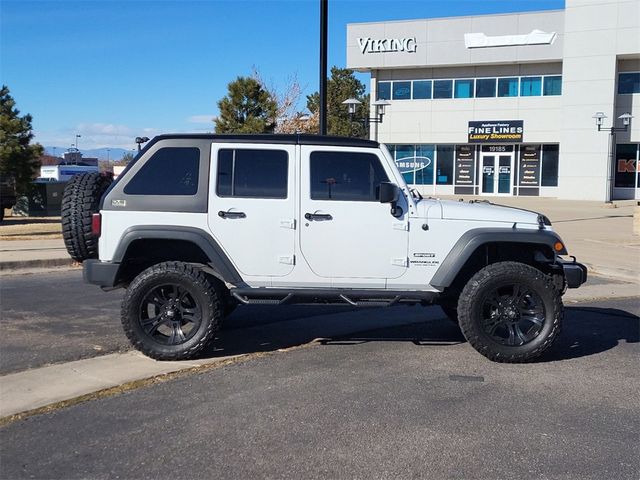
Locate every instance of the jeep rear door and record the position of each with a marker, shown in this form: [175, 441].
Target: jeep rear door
[345, 232]
[251, 206]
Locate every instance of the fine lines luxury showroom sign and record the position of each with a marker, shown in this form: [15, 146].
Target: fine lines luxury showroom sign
[496, 131]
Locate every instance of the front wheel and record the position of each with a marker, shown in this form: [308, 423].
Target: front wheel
[171, 311]
[510, 312]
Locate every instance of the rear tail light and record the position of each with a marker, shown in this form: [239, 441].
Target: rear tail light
[96, 224]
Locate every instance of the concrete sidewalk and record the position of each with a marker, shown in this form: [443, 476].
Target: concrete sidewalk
[18, 255]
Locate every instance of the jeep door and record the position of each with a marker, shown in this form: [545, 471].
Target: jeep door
[251, 206]
[345, 232]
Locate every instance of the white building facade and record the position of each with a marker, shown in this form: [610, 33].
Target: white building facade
[504, 104]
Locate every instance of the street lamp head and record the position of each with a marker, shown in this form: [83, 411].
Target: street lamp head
[352, 104]
[599, 116]
[380, 105]
[626, 119]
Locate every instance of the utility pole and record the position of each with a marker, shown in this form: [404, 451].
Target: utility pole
[324, 9]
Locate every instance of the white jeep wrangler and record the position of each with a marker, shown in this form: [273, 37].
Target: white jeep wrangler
[198, 224]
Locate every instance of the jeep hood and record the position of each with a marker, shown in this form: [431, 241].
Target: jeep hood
[482, 211]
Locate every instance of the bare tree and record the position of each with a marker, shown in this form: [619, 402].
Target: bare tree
[288, 118]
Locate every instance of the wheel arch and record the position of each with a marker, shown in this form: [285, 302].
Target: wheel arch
[480, 247]
[142, 246]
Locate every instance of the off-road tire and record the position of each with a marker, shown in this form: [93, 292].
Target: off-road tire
[188, 277]
[80, 200]
[500, 275]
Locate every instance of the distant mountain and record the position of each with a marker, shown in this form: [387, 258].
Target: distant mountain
[100, 153]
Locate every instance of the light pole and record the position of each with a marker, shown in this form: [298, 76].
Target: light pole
[324, 13]
[379, 105]
[77, 137]
[108, 155]
[140, 141]
[626, 121]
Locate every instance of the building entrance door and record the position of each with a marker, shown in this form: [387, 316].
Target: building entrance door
[496, 169]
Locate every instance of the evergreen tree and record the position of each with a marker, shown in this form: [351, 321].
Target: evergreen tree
[18, 157]
[340, 86]
[247, 108]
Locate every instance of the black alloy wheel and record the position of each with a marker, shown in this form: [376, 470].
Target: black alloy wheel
[510, 312]
[170, 314]
[513, 314]
[171, 311]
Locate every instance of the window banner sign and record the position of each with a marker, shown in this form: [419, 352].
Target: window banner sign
[500, 131]
[465, 170]
[529, 171]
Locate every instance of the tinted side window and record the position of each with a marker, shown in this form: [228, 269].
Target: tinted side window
[346, 176]
[252, 173]
[170, 171]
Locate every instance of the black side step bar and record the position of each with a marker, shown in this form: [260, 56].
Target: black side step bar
[356, 298]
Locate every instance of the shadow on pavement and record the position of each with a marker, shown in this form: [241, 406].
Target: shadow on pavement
[591, 330]
[587, 330]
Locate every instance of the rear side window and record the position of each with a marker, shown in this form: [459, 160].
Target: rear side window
[170, 171]
[346, 176]
[252, 173]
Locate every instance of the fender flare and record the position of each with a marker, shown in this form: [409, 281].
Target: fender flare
[218, 260]
[472, 239]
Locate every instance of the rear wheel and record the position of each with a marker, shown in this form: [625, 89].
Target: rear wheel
[510, 312]
[171, 311]
[80, 200]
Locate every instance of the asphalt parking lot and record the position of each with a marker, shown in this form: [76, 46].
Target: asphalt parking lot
[404, 401]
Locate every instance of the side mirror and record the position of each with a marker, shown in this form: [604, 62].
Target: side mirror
[389, 192]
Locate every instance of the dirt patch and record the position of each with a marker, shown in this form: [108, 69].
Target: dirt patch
[30, 228]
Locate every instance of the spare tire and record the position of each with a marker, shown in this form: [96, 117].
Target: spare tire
[81, 199]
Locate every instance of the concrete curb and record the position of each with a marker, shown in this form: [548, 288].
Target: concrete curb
[18, 265]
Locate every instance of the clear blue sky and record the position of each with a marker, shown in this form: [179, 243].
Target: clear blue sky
[111, 70]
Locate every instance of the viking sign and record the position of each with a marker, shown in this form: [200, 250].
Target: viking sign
[387, 45]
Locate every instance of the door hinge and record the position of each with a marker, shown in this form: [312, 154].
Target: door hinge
[401, 226]
[400, 262]
[288, 223]
[287, 259]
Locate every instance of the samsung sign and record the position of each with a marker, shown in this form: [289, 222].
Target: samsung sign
[387, 45]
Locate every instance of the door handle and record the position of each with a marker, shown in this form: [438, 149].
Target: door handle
[224, 214]
[318, 216]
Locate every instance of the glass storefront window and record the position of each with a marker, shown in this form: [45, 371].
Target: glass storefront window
[508, 87]
[424, 164]
[421, 89]
[485, 87]
[442, 88]
[553, 85]
[550, 165]
[384, 91]
[401, 91]
[415, 162]
[444, 164]
[464, 89]
[626, 165]
[530, 86]
[629, 82]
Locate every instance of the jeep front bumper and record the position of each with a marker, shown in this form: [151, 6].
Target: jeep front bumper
[575, 273]
[100, 273]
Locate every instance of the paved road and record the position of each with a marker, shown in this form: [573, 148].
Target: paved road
[397, 402]
[54, 317]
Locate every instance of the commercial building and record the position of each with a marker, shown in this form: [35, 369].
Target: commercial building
[505, 104]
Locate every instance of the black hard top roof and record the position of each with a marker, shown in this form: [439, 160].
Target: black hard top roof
[298, 139]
